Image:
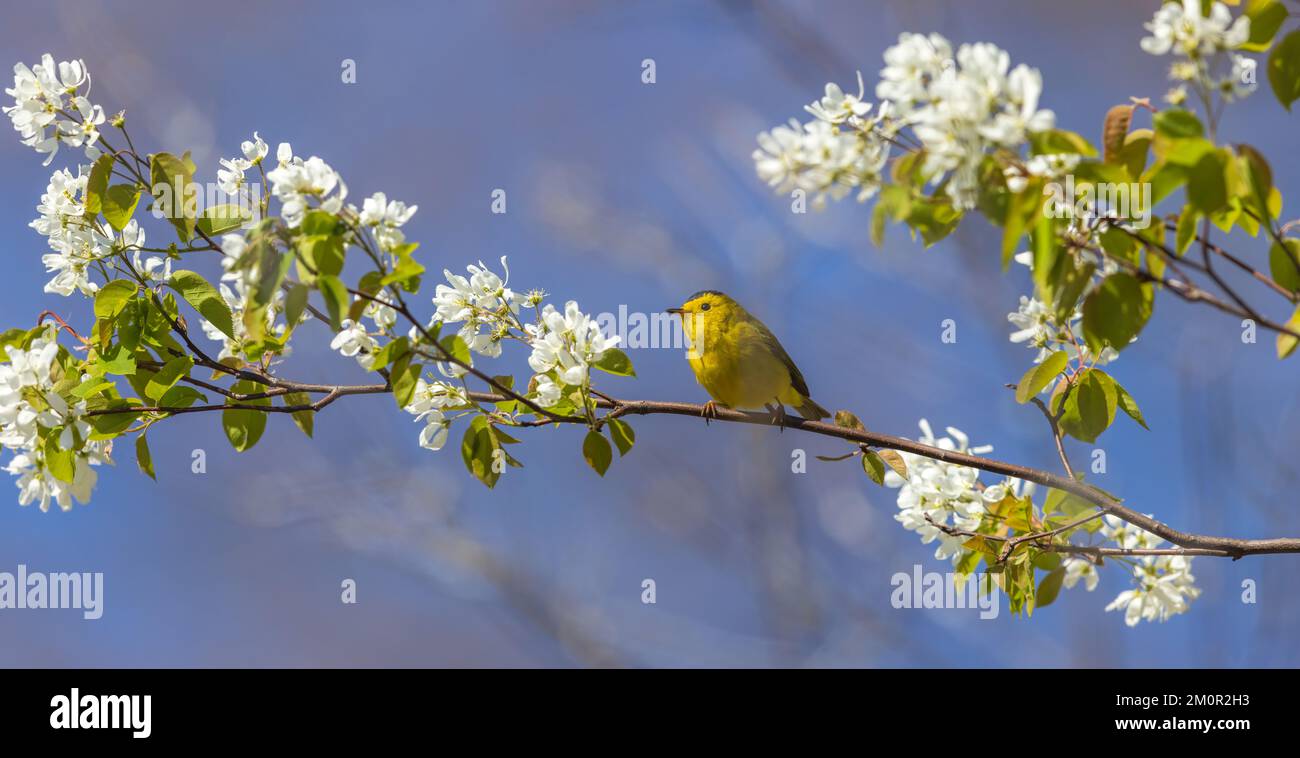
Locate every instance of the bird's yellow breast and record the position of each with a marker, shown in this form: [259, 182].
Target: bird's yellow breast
[736, 365]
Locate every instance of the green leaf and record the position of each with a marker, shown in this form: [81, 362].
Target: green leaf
[1050, 587]
[390, 353]
[219, 219]
[1047, 253]
[1186, 230]
[1176, 122]
[1046, 561]
[109, 425]
[1128, 404]
[119, 204]
[167, 376]
[1284, 69]
[304, 420]
[113, 297]
[1022, 209]
[317, 221]
[1164, 178]
[97, 183]
[456, 348]
[479, 450]
[174, 192]
[895, 461]
[1260, 178]
[1286, 344]
[1116, 312]
[894, 204]
[616, 362]
[1054, 141]
[1073, 281]
[1207, 188]
[1090, 408]
[874, 466]
[90, 387]
[404, 376]
[205, 299]
[1266, 17]
[181, 396]
[271, 272]
[143, 459]
[336, 299]
[407, 271]
[597, 452]
[1038, 377]
[61, 463]
[622, 434]
[1282, 263]
[1133, 155]
[324, 252]
[933, 220]
[295, 304]
[243, 426]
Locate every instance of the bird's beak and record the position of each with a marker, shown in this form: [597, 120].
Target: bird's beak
[675, 310]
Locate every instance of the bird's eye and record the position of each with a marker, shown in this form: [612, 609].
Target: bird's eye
[705, 307]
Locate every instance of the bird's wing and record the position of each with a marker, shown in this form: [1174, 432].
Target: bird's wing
[773, 344]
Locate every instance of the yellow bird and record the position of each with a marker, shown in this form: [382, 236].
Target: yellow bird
[739, 361]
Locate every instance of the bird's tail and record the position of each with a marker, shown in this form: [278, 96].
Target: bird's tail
[812, 411]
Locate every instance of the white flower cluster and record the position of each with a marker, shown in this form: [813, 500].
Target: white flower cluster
[1053, 166]
[294, 181]
[958, 107]
[822, 158]
[1036, 322]
[76, 241]
[1206, 46]
[485, 304]
[230, 177]
[237, 297]
[386, 217]
[29, 409]
[428, 403]
[565, 345]
[1165, 584]
[937, 494]
[50, 107]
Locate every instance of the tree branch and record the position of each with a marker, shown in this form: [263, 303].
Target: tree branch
[1225, 547]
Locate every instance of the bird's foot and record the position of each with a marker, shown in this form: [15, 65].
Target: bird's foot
[777, 412]
[710, 411]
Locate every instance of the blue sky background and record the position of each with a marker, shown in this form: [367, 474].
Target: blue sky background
[623, 193]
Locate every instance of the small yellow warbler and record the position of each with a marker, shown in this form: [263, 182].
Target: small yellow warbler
[739, 361]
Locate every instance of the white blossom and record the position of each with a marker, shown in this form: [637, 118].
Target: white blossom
[295, 181]
[483, 302]
[937, 494]
[820, 159]
[386, 218]
[567, 342]
[1165, 587]
[353, 341]
[51, 109]
[547, 392]
[837, 107]
[1182, 28]
[27, 377]
[1080, 569]
[254, 150]
[230, 177]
